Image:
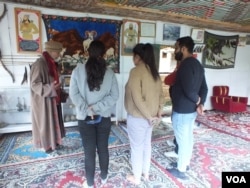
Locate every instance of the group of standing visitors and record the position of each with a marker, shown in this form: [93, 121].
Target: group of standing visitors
[94, 91]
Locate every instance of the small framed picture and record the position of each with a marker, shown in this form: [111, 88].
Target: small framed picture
[130, 36]
[28, 31]
[171, 32]
[147, 29]
[66, 81]
[197, 35]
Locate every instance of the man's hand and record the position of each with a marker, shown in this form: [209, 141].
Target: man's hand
[57, 85]
[200, 109]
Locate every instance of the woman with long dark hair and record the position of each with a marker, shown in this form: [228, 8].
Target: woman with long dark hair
[143, 102]
[94, 92]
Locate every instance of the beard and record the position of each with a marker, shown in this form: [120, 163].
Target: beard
[178, 56]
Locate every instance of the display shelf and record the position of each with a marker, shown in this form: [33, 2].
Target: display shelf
[20, 127]
[15, 113]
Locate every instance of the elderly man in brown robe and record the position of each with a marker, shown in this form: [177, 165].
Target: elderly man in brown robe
[47, 124]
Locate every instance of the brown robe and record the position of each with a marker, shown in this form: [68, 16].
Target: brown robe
[46, 129]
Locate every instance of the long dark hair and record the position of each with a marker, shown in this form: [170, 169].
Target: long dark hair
[96, 65]
[149, 59]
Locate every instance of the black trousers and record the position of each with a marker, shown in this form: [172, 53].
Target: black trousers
[95, 138]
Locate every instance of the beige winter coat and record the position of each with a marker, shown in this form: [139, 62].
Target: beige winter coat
[143, 95]
[45, 130]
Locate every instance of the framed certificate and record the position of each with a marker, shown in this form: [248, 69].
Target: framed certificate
[147, 29]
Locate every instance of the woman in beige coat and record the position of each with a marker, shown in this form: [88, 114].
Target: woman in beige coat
[143, 102]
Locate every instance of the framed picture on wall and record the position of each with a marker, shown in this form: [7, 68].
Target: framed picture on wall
[66, 81]
[147, 29]
[28, 31]
[130, 36]
[197, 35]
[171, 32]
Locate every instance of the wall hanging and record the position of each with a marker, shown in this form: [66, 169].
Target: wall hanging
[76, 33]
[219, 51]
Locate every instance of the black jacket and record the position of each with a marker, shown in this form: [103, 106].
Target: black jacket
[190, 84]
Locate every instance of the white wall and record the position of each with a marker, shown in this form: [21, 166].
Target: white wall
[237, 78]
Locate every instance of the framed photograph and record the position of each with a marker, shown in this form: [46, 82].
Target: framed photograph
[171, 32]
[130, 36]
[147, 29]
[28, 31]
[197, 35]
[66, 81]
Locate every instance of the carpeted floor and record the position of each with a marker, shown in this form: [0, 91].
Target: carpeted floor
[18, 147]
[214, 152]
[68, 171]
[236, 124]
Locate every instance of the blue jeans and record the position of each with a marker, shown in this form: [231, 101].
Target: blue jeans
[95, 137]
[183, 125]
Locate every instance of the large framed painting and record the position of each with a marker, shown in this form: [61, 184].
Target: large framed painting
[130, 36]
[28, 31]
[76, 34]
[219, 51]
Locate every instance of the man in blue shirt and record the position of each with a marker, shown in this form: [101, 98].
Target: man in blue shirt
[189, 93]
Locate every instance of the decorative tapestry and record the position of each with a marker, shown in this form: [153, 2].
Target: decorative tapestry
[76, 33]
[219, 51]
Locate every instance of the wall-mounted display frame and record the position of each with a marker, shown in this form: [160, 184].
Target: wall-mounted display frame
[28, 31]
[147, 29]
[65, 80]
[130, 36]
[171, 32]
[197, 35]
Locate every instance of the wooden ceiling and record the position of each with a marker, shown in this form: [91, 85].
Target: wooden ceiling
[225, 15]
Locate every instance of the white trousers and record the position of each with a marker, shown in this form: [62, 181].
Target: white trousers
[139, 133]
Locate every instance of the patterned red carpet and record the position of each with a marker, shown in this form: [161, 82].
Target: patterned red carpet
[236, 124]
[68, 172]
[214, 152]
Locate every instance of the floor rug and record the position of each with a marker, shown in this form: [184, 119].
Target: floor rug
[236, 124]
[214, 152]
[163, 130]
[67, 171]
[17, 147]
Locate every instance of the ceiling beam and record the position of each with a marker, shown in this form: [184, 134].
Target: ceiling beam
[139, 13]
[157, 15]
